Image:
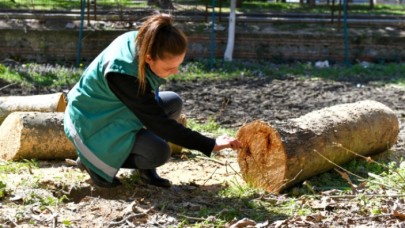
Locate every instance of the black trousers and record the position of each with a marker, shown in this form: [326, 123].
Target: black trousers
[149, 150]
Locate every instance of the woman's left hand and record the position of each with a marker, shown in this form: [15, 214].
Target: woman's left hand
[225, 141]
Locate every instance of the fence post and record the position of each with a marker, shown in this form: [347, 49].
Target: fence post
[79, 43]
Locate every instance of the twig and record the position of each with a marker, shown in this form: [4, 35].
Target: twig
[368, 159]
[289, 180]
[340, 167]
[4, 87]
[211, 176]
[354, 196]
[238, 173]
[211, 159]
[226, 164]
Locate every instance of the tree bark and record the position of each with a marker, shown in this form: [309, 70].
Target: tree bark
[279, 156]
[36, 103]
[34, 135]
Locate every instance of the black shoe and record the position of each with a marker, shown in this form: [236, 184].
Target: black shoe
[149, 176]
[97, 180]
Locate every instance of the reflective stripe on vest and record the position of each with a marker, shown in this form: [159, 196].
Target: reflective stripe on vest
[86, 152]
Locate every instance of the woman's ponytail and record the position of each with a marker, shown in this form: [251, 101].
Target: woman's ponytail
[159, 38]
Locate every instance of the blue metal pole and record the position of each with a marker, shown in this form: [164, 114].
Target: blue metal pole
[212, 36]
[79, 44]
[346, 39]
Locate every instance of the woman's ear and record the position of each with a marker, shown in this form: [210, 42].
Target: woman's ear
[148, 59]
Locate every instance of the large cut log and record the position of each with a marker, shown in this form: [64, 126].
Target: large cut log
[34, 135]
[36, 103]
[275, 157]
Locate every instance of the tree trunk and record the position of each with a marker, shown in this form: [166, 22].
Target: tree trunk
[34, 135]
[38, 103]
[280, 156]
[231, 32]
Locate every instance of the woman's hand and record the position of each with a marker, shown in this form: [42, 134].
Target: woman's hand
[225, 141]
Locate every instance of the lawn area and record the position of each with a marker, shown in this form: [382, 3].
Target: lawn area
[247, 6]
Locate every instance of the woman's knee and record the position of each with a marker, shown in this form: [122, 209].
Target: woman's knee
[171, 103]
[150, 150]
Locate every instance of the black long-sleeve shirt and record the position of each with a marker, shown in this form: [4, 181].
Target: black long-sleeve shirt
[153, 117]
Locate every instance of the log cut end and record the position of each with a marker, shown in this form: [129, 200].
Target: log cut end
[262, 151]
[61, 104]
[10, 138]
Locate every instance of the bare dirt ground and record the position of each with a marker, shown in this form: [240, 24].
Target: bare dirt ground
[198, 181]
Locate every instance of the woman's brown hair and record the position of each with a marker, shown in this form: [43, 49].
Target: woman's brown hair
[159, 38]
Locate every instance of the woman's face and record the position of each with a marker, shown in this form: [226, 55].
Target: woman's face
[165, 67]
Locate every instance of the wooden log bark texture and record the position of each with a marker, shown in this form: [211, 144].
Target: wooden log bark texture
[36, 103]
[275, 157]
[34, 135]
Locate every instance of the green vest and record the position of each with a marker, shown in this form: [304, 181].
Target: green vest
[101, 127]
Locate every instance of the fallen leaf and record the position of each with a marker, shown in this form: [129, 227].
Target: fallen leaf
[245, 222]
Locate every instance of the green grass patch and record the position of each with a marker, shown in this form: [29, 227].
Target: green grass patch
[393, 176]
[3, 189]
[210, 126]
[41, 75]
[18, 167]
[48, 75]
[258, 204]
[376, 174]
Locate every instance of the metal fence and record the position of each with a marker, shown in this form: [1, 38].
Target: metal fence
[130, 10]
[74, 5]
[99, 9]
